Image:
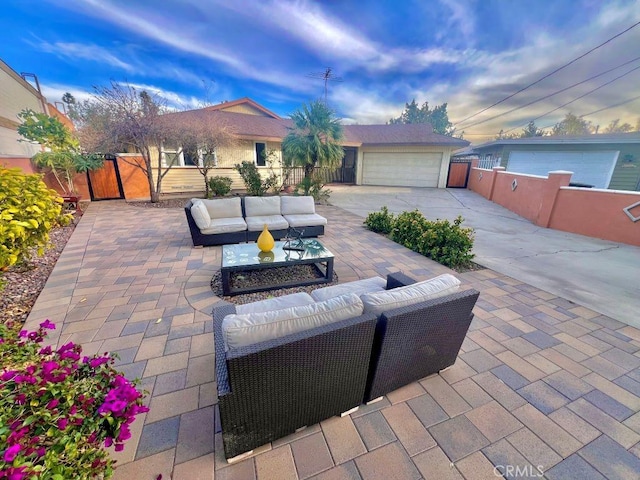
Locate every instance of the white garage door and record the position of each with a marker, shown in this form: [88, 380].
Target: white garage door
[401, 169]
[591, 168]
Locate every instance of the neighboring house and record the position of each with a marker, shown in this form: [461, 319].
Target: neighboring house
[601, 160]
[16, 94]
[399, 155]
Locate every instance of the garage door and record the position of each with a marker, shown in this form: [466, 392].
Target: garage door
[401, 169]
[591, 168]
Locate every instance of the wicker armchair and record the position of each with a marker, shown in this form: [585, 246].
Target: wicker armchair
[269, 390]
[419, 340]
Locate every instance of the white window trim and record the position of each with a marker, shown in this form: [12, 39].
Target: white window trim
[255, 154]
[180, 162]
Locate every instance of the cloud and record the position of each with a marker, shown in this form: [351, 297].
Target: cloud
[83, 51]
[54, 92]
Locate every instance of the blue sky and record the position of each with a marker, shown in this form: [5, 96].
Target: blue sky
[468, 53]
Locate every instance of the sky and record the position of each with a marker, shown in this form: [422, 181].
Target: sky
[382, 54]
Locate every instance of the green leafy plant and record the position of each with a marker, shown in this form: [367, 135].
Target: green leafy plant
[29, 210]
[447, 243]
[380, 222]
[313, 186]
[63, 156]
[219, 186]
[59, 410]
[251, 178]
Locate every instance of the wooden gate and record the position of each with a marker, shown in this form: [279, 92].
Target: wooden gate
[458, 174]
[105, 183]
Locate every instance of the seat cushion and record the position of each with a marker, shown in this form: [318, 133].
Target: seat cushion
[200, 214]
[359, 287]
[277, 303]
[305, 220]
[440, 286]
[248, 329]
[297, 205]
[273, 222]
[261, 206]
[223, 207]
[225, 225]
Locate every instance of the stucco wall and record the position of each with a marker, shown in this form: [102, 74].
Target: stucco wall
[22, 163]
[526, 199]
[481, 181]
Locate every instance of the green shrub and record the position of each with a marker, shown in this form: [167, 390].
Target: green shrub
[220, 186]
[445, 242]
[313, 186]
[252, 179]
[380, 222]
[28, 211]
[59, 409]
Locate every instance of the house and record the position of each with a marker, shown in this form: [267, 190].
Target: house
[16, 94]
[610, 161]
[396, 155]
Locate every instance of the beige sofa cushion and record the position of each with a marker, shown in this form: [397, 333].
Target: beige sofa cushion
[222, 207]
[200, 214]
[440, 286]
[248, 329]
[225, 225]
[261, 206]
[277, 303]
[297, 205]
[359, 287]
[305, 220]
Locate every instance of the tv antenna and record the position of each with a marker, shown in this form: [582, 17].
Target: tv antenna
[326, 76]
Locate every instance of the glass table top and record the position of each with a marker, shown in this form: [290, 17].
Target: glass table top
[244, 254]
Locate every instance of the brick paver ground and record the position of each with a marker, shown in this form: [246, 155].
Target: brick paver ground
[541, 384]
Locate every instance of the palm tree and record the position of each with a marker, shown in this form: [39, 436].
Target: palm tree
[314, 139]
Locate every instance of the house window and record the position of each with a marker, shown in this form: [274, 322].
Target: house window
[187, 156]
[261, 154]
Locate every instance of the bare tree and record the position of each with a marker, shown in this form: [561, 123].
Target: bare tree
[120, 118]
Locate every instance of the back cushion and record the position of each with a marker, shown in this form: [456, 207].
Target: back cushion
[261, 206]
[436, 287]
[200, 214]
[223, 207]
[294, 205]
[247, 329]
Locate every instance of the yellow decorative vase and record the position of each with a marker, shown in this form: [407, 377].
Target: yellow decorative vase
[265, 240]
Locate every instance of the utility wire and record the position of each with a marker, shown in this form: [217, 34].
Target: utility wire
[575, 99]
[552, 94]
[547, 75]
[594, 112]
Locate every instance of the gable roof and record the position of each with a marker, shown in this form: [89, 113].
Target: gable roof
[246, 101]
[595, 138]
[275, 128]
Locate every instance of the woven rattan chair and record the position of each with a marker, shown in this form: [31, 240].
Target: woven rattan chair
[271, 389]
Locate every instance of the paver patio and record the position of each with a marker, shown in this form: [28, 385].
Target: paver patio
[541, 384]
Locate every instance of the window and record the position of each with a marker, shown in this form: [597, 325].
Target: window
[261, 154]
[187, 156]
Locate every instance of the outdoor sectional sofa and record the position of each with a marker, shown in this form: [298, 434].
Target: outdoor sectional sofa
[292, 361]
[241, 219]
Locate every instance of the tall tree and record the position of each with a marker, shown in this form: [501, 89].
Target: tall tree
[314, 139]
[573, 125]
[437, 117]
[119, 118]
[616, 127]
[531, 130]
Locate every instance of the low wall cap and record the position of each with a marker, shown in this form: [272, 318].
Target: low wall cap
[562, 172]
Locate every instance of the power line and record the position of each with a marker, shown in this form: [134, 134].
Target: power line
[575, 99]
[547, 75]
[599, 110]
[552, 94]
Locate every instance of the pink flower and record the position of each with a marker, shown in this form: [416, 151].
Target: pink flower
[11, 453]
[62, 423]
[8, 375]
[52, 404]
[48, 325]
[46, 350]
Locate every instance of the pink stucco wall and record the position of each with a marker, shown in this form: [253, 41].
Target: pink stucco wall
[16, 162]
[550, 202]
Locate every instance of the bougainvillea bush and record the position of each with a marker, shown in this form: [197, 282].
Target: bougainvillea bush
[59, 410]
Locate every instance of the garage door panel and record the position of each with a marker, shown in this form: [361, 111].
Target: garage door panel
[401, 169]
[591, 168]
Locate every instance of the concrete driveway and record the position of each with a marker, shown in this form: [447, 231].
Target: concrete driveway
[601, 275]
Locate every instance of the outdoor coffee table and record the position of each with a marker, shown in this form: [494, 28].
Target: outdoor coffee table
[247, 256]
